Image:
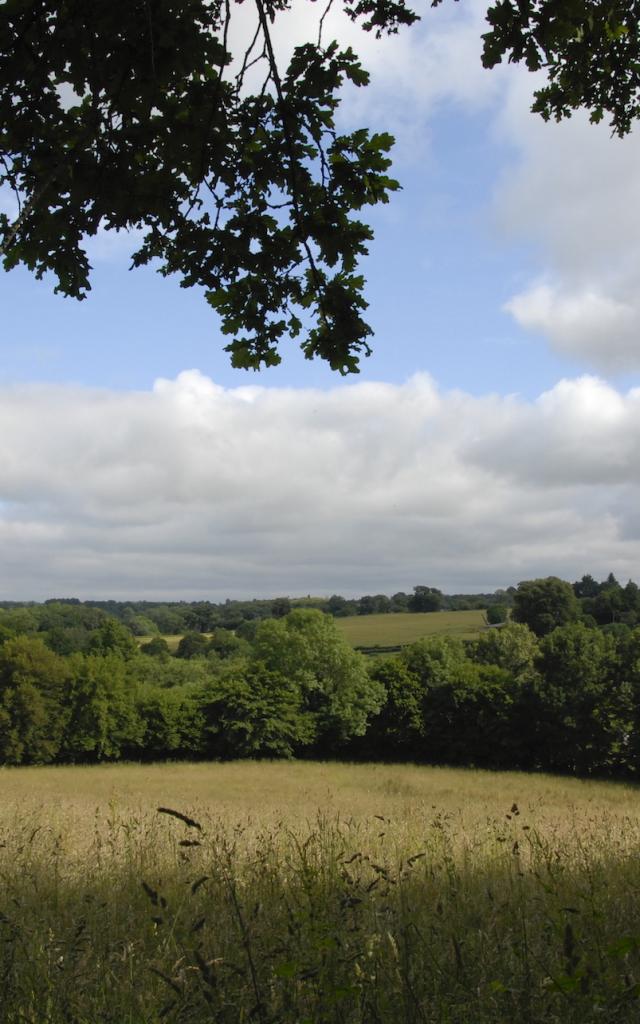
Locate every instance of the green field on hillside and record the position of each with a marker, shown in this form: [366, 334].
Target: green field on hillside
[302, 893]
[407, 627]
[392, 629]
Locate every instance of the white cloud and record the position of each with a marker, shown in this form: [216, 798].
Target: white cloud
[192, 489]
[583, 323]
[573, 192]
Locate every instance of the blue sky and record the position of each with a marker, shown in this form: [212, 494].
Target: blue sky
[491, 437]
[438, 274]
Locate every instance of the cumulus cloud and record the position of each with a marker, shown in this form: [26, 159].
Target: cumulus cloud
[573, 192]
[191, 489]
[583, 323]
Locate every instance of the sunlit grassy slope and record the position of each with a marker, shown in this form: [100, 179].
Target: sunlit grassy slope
[406, 627]
[265, 791]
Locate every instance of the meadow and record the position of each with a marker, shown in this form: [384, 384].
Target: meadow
[389, 630]
[310, 893]
[407, 627]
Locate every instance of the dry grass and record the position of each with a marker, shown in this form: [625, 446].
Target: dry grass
[316, 894]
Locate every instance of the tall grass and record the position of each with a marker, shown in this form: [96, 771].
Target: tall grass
[432, 908]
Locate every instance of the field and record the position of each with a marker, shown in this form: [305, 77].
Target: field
[172, 640]
[301, 893]
[407, 627]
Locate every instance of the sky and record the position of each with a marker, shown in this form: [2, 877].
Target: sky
[493, 436]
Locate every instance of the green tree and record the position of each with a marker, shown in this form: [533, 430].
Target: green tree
[466, 707]
[67, 640]
[156, 648]
[339, 606]
[608, 605]
[168, 673]
[226, 644]
[497, 613]
[397, 731]
[338, 694]
[586, 587]
[435, 659]
[425, 599]
[280, 607]
[578, 716]
[626, 752]
[255, 713]
[113, 638]
[168, 620]
[544, 604]
[141, 625]
[192, 645]
[32, 709]
[21, 621]
[514, 648]
[171, 723]
[468, 717]
[101, 717]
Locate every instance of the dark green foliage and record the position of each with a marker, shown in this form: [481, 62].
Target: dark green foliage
[170, 724]
[156, 648]
[377, 604]
[67, 640]
[258, 713]
[339, 606]
[226, 644]
[468, 717]
[568, 700]
[514, 648]
[544, 604]
[128, 114]
[19, 620]
[589, 49]
[397, 732]
[101, 718]
[33, 681]
[192, 645]
[577, 718]
[5, 634]
[497, 613]
[425, 599]
[113, 638]
[280, 607]
[338, 694]
[65, 615]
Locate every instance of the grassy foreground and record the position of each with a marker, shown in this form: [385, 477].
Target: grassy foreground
[306, 894]
[407, 627]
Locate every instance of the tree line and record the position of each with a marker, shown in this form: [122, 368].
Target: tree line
[153, 618]
[557, 688]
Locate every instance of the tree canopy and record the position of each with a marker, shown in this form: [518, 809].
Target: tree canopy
[142, 115]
